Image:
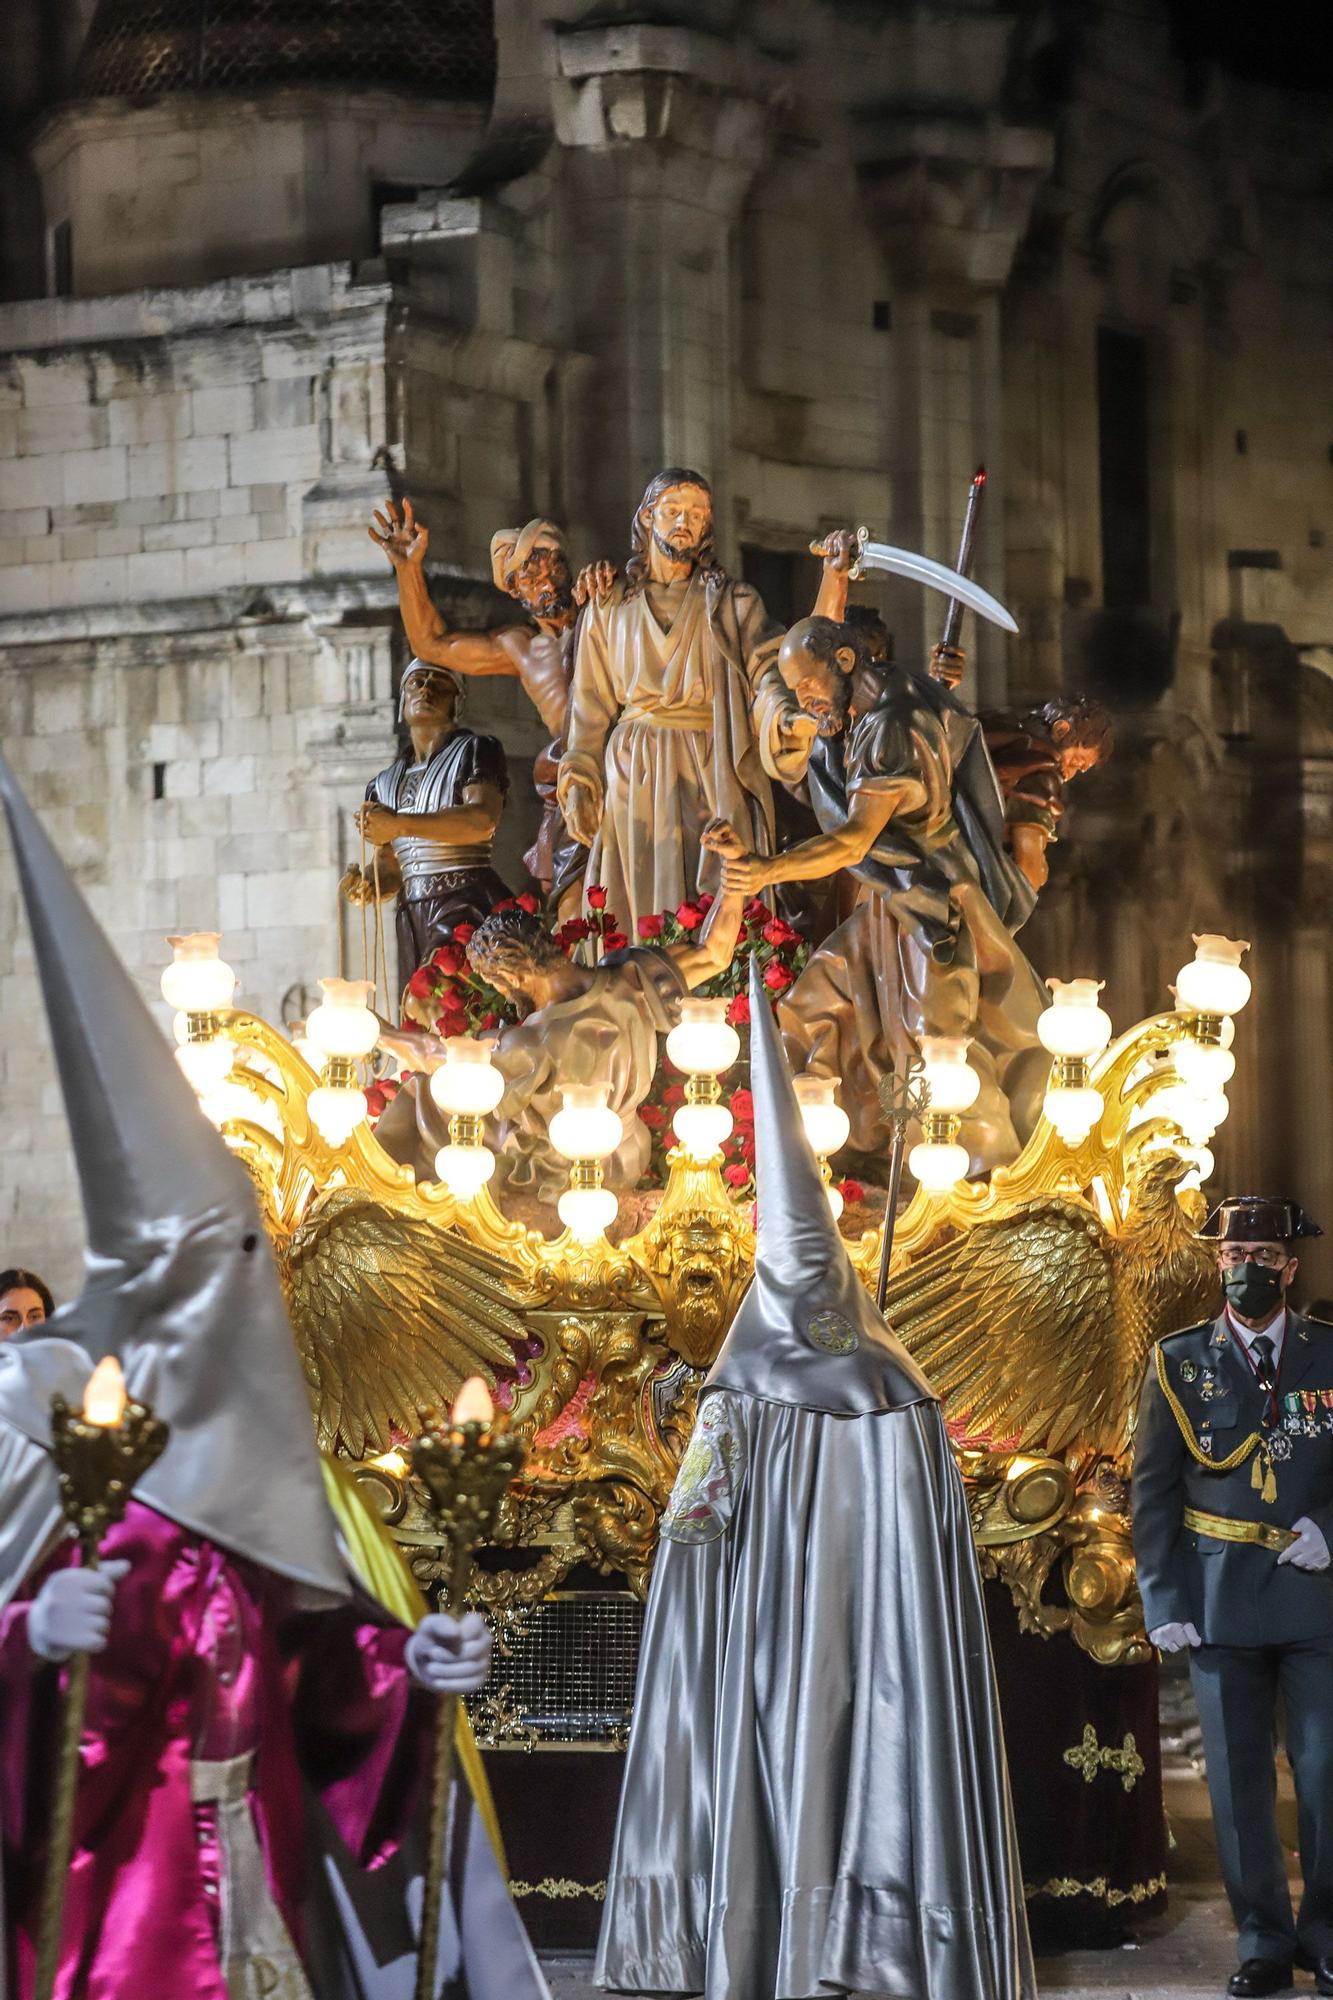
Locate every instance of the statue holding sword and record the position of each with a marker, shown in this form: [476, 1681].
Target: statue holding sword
[907, 800]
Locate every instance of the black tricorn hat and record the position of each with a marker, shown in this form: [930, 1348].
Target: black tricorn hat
[1259, 1218]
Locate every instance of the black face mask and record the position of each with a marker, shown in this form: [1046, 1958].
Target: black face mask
[1253, 1290]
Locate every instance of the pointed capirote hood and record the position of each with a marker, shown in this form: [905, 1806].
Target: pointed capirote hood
[807, 1332]
[180, 1283]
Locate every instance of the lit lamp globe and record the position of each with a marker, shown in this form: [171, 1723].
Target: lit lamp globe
[467, 1086]
[827, 1126]
[1203, 1067]
[1197, 1113]
[1214, 982]
[1073, 1029]
[937, 1160]
[342, 1031]
[703, 1045]
[200, 986]
[585, 1131]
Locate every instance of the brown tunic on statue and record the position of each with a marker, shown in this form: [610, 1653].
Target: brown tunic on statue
[672, 724]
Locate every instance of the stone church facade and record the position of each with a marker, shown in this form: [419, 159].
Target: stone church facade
[267, 265]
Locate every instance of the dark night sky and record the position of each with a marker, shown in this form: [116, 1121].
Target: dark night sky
[1283, 42]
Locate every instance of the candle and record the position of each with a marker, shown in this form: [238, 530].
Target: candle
[104, 1398]
[473, 1403]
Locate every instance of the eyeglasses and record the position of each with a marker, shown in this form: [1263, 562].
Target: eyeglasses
[1269, 1254]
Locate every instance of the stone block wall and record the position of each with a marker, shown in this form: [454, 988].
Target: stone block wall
[193, 781]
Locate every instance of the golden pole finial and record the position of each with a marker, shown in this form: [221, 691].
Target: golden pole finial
[101, 1451]
[466, 1467]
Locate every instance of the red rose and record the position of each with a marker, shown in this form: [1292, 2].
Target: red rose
[741, 1106]
[527, 901]
[689, 916]
[489, 1021]
[651, 927]
[736, 1175]
[422, 982]
[653, 1116]
[777, 977]
[507, 903]
[375, 1100]
[706, 903]
[463, 933]
[738, 1014]
[674, 1094]
[614, 941]
[597, 897]
[778, 932]
[757, 911]
[449, 959]
[747, 1146]
[851, 1192]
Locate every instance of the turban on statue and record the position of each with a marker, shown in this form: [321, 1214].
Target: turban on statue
[511, 547]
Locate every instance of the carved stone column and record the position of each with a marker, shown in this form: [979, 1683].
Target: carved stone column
[663, 129]
[950, 197]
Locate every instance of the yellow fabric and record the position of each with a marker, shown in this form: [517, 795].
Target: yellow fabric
[379, 1564]
[1223, 1529]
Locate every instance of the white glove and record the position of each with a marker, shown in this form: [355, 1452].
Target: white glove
[1174, 1638]
[450, 1655]
[1310, 1549]
[71, 1613]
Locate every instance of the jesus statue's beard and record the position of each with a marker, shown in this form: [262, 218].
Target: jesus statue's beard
[666, 548]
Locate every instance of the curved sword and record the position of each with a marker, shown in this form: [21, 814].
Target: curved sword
[935, 576]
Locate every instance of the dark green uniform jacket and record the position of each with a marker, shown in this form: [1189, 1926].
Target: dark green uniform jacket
[1199, 1382]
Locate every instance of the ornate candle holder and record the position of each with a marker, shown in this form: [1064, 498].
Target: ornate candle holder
[101, 1452]
[466, 1468]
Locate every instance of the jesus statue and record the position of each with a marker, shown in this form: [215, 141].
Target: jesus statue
[678, 715]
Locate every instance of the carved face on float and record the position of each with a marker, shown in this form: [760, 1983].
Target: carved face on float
[542, 582]
[1075, 756]
[429, 695]
[679, 521]
[818, 671]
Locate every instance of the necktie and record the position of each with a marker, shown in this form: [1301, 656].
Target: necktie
[1262, 1345]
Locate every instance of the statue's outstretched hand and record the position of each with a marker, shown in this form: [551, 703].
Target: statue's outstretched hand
[947, 664]
[403, 541]
[839, 548]
[376, 823]
[71, 1613]
[594, 580]
[581, 814]
[721, 837]
[744, 872]
[450, 1655]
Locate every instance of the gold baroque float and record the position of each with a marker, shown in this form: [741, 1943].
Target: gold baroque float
[1031, 1300]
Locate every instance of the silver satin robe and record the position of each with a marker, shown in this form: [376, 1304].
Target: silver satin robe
[815, 1796]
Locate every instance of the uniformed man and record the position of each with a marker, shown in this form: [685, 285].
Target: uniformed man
[1233, 1517]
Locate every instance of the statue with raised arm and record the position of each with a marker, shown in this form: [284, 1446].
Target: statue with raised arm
[907, 801]
[431, 817]
[531, 565]
[676, 715]
[581, 1024]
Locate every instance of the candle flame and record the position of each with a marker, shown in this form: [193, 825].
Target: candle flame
[104, 1398]
[473, 1403]
[392, 1462]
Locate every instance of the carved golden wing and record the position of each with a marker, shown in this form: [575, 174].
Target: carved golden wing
[1015, 1323]
[391, 1314]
